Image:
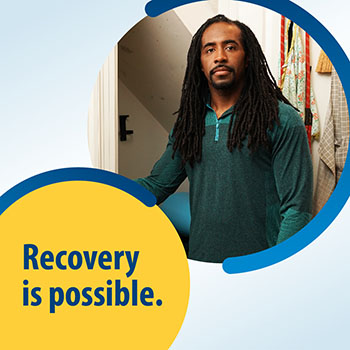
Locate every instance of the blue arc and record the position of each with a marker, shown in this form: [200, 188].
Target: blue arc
[76, 174]
[340, 195]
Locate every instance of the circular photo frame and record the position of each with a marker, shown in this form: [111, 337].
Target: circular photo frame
[340, 195]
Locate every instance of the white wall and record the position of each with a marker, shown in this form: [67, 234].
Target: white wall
[144, 147]
[152, 61]
[193, 15]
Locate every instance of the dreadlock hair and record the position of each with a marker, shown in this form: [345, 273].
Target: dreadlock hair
[256, 109]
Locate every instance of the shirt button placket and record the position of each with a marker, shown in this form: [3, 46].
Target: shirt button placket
[217, 130]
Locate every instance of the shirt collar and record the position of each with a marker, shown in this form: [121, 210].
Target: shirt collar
[225, 114]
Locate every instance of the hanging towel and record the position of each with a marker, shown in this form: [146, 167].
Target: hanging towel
[334, 144]
[293, 77]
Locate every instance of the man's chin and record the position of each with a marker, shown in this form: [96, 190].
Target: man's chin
[222, 85]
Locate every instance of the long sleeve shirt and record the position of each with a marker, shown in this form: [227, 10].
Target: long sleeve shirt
[241, 202]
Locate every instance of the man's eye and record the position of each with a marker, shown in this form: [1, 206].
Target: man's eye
[230, 48]
[210, 50]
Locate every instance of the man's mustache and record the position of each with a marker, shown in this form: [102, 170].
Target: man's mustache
[221, 66]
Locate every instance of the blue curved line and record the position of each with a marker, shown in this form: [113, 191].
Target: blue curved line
[76, 174]
[340, 195]
[156, 7]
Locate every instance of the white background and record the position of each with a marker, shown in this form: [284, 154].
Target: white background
[51, 52]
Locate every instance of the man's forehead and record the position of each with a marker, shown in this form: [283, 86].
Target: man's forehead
[221, 31]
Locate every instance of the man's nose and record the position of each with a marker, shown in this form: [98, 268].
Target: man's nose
[220, 55]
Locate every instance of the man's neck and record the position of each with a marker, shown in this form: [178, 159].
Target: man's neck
[222, 100]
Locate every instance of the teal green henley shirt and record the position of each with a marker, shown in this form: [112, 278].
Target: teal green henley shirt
[241, 202]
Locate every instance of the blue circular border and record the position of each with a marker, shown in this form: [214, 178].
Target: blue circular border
[76, 174]
[341, 193]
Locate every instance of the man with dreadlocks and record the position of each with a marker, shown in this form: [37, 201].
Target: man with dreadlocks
[242, 146]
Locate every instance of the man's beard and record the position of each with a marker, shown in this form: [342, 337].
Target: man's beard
[223, 85]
